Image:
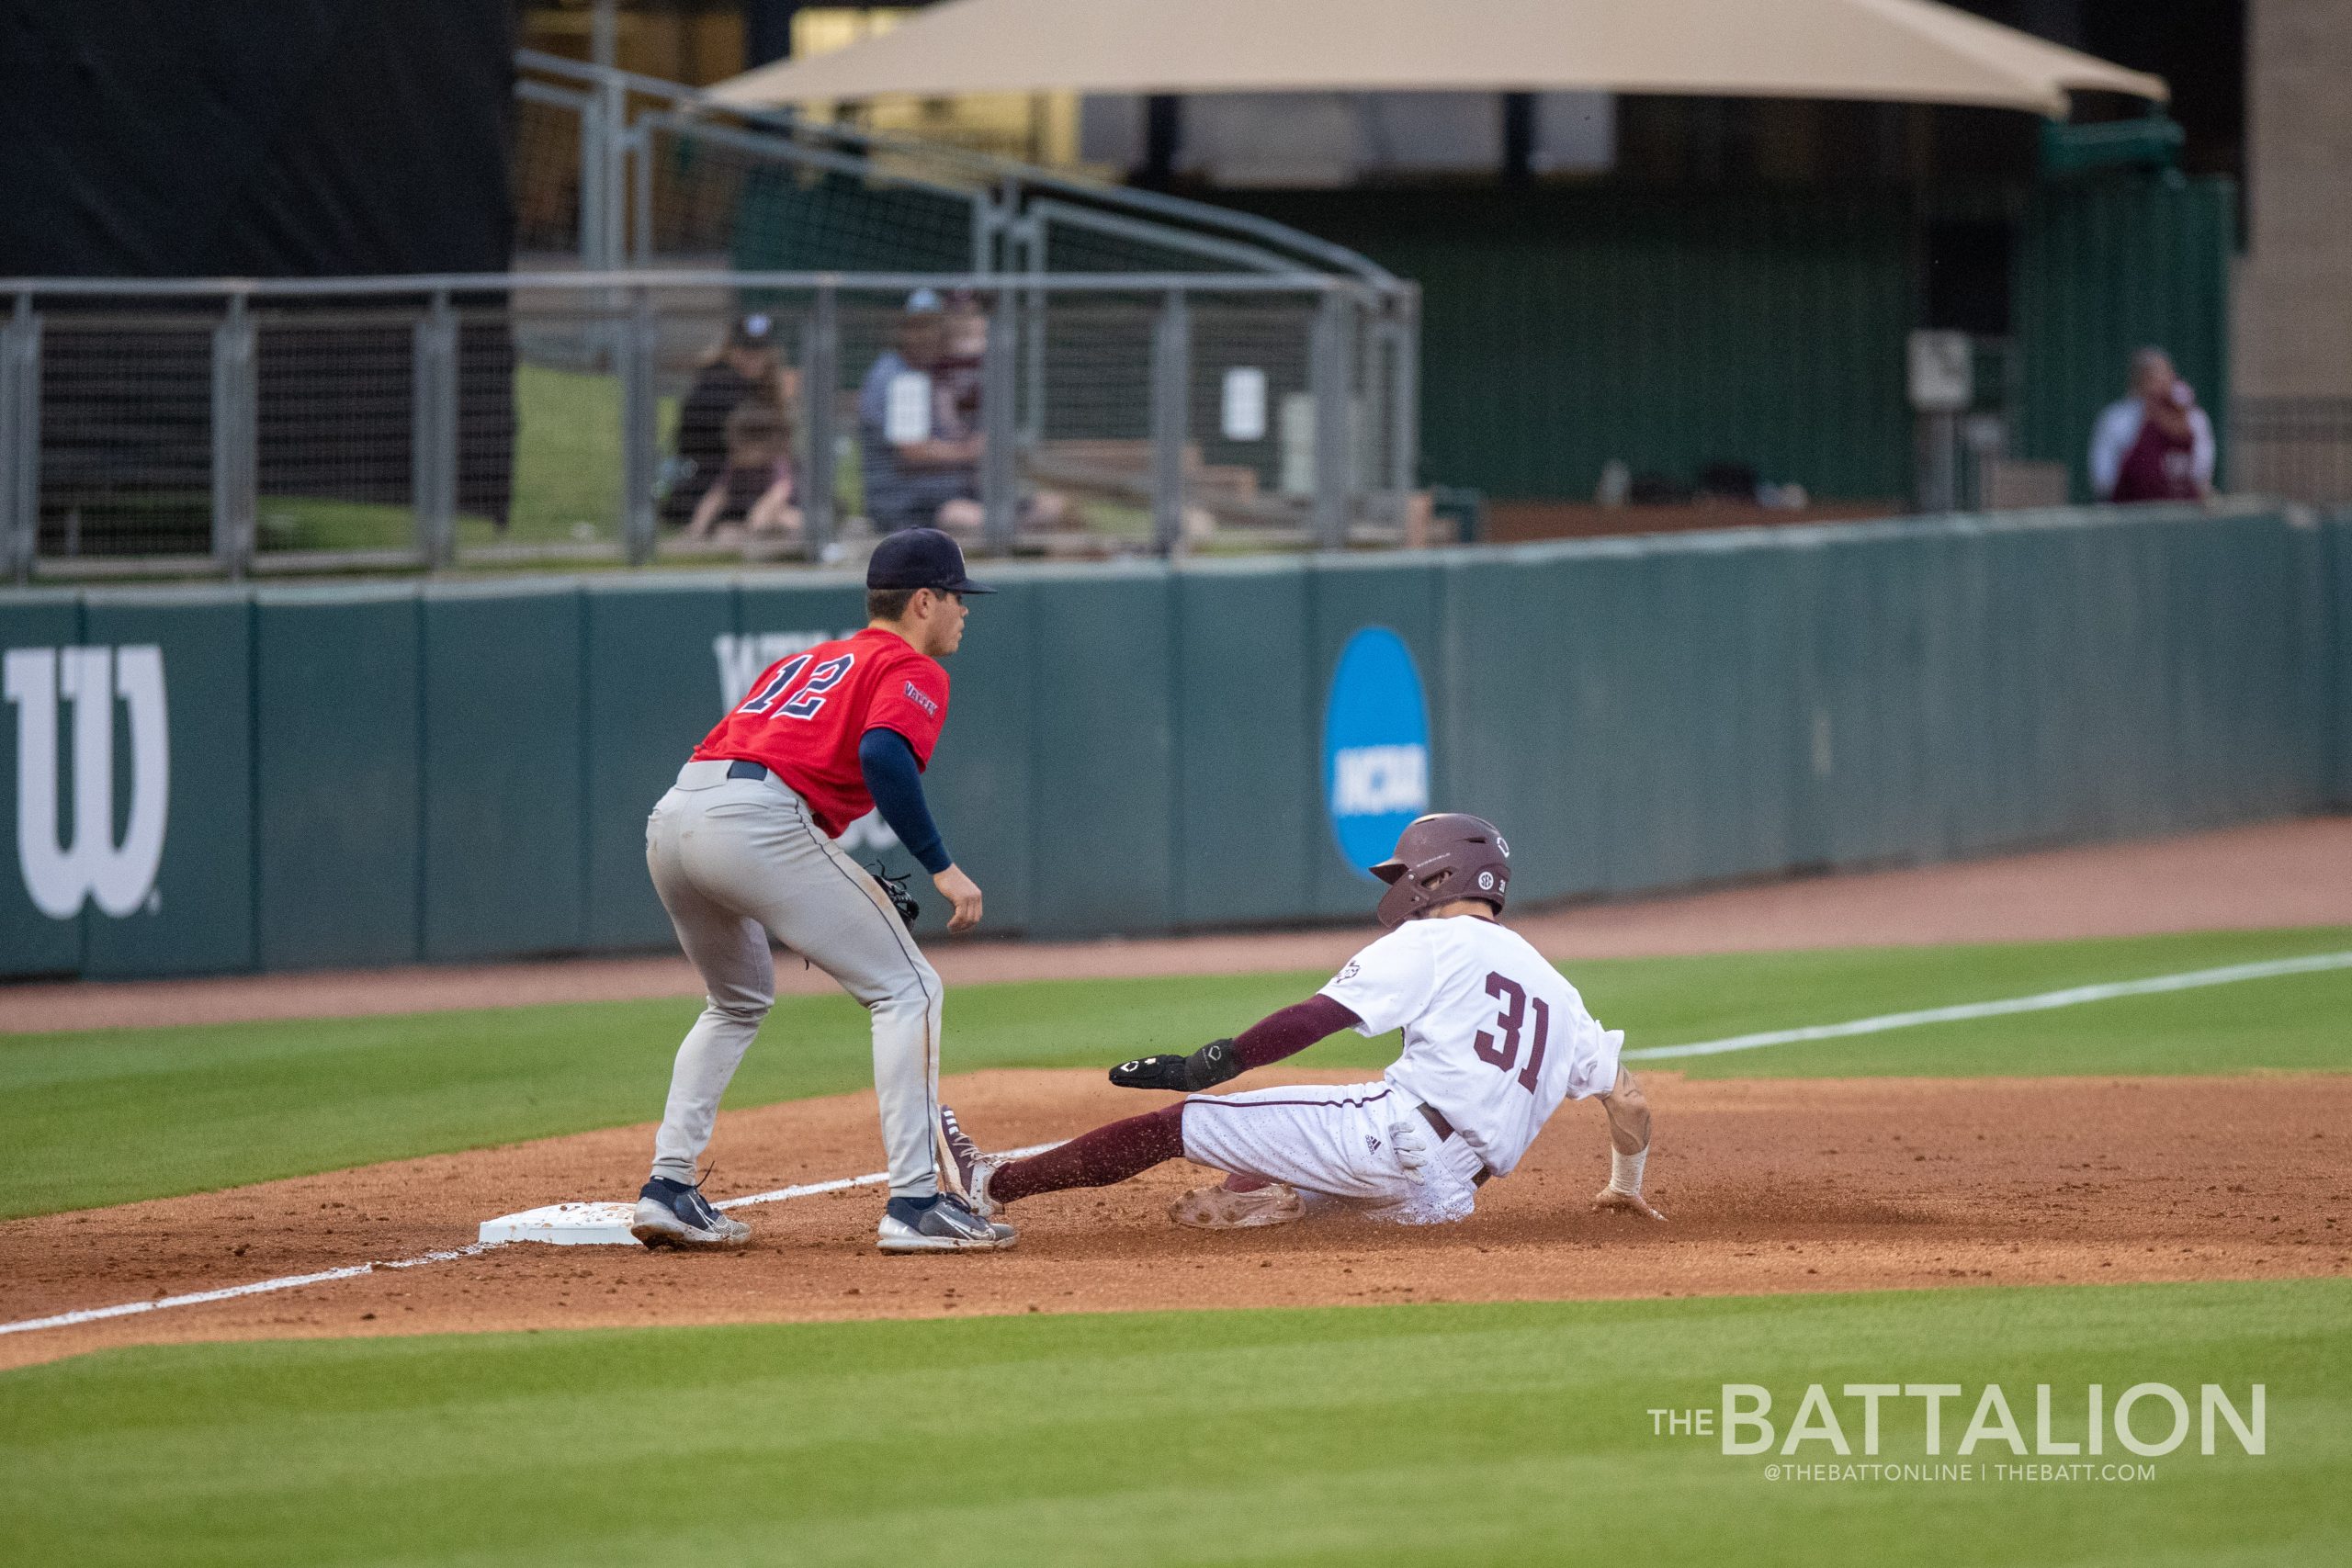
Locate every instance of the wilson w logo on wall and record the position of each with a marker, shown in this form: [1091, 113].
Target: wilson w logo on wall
[63, 866]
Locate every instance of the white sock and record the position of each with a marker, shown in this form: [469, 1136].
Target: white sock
[1625, 1170]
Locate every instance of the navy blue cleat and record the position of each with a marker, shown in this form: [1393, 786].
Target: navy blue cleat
[965, 1171]
[941, 1222]
[675, 1213]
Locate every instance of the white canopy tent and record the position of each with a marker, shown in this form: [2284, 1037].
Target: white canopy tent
[1888, 51]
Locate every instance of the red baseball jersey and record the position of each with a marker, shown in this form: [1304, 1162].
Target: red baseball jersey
[804, 715]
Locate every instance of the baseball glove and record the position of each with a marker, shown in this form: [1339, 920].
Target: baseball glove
[1212, 1063]
[900, 900]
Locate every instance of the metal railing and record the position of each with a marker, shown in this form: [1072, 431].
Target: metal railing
[649, 173]
[633, 169]
[240, 426]
[1146, 373]
[2296, 448]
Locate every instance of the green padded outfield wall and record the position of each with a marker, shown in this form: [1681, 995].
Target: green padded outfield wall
[34, 940]
[2340, 675]
[374, 774]
[338, 760]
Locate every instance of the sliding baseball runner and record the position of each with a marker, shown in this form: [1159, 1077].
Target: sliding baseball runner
[1495, 1040]
[741, 849]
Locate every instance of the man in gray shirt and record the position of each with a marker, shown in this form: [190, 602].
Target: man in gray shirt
[930, 478]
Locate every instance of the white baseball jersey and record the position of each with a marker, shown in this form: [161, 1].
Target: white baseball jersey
[1494, 1038]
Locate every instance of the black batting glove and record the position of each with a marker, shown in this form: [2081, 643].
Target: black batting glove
[1212, 1063]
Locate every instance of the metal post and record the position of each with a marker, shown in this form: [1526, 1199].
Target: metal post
[1938, 446]
[1000, 482]
[20, 439]
[592, 181]
[1327, 373]
[433, 435]
[1405, 399]
[612, 155]
[1028, 238]
[1171, 385]
[641, 453]
[820, 383]
[640, 235]
[235, 439]
[605, 32]
[986, 221]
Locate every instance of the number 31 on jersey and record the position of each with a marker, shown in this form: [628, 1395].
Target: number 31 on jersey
[1502, 1052]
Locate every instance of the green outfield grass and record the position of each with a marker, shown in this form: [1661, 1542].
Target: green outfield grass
[108, 1116]
[566, 486]
[1490, 1434]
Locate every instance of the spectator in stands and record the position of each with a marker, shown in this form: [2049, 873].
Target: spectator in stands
[922, 470]
[2155, 445]
[743, 368]
[755, 486]
[919, 422]
[963, 346]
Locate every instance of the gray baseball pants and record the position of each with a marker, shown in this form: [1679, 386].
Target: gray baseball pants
[738, 861]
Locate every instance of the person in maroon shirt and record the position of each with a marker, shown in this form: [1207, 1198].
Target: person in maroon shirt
[2155, 445]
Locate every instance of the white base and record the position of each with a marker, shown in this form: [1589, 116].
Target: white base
[565, 1224]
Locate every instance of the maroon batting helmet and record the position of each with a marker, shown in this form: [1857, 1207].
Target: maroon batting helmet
[1441, 857]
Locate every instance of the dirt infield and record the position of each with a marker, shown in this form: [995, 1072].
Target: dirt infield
[2279, 874]
[1772, 1186]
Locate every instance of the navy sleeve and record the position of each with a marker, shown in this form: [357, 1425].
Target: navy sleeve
[896, 785]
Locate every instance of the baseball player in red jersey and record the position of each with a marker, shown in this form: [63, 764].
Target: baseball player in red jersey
[741, 849]
[1495, 1041]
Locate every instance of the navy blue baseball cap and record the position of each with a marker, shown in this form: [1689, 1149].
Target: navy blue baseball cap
[920, 558]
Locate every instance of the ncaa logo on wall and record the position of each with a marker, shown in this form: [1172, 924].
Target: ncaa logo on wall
[1376, 747]
[89, 863]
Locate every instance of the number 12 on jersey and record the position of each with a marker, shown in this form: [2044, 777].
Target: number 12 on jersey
[1502, 1054]
[804, 703]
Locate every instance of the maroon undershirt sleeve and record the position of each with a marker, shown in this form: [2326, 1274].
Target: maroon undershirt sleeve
[1291, 1031]
[1122, 1149]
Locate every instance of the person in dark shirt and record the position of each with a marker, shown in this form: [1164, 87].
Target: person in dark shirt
[756, 485]
[745, 367]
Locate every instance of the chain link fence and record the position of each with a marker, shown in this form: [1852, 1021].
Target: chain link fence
[405, 423]
[934, 334]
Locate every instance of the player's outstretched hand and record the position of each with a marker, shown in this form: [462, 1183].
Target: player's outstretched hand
[1211, 1065]
[1151, 1072]
[1611, 1200]
[963, 893]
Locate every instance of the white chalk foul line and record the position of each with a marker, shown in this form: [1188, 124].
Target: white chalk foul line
[353, 1272]
[874, 1179]
[258, 1288]
[2042, 1002]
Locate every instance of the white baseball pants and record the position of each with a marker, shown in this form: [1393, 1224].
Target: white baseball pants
[1334, 1143]
[736, 860]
